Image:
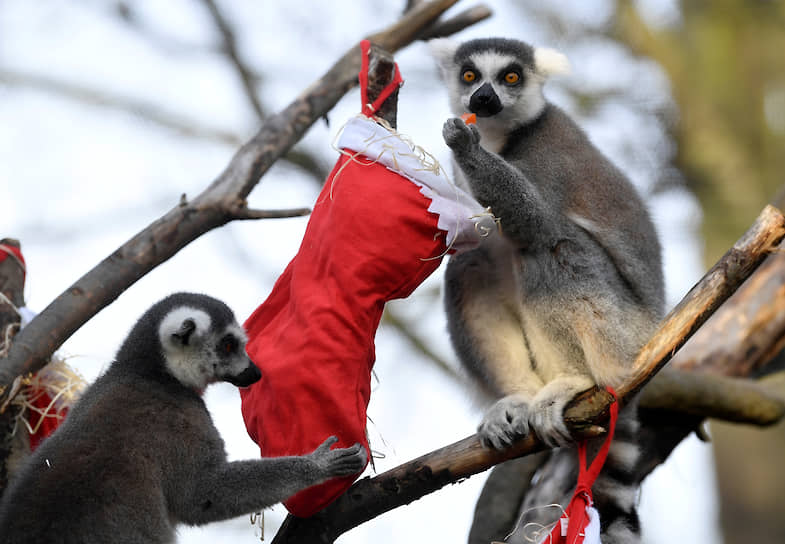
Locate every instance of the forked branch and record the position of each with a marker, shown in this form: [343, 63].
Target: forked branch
[223, 201]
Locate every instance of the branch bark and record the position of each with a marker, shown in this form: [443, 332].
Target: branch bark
[12, 283]
[371, 497]
[221, 202]
[752, 324]
[714, 396]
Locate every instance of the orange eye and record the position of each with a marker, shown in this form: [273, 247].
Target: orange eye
[469, 76]
[228, 344]
[512, 78]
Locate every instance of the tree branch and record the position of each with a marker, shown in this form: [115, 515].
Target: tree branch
[752, 324]
[247, 77]
[215, 206]
[12, 283]
[736, 400]
[149, 112]
[455, 24]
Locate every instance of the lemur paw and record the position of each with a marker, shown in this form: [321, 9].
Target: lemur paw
[547, 420]
[340, 461]
[505, 422]
[460, 136]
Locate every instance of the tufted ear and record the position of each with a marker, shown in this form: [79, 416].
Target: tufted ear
[443, 51]
[550, 62]
[185, 331]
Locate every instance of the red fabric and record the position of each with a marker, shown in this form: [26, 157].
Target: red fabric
[7, 249]
[576, 514]
[369, 239]
[370, 109]
[49, 420]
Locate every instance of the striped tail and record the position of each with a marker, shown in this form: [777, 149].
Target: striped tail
[615, 491]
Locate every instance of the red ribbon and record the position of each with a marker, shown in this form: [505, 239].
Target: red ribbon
[15, 252]
[577, 518]
[369, 109]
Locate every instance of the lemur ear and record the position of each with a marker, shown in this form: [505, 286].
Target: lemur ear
[443, 50]
[550, 62]
[185, 331]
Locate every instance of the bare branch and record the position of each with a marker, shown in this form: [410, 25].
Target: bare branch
[212, 208]
[246, 213]
[151, 113]
[141, 109]
[247, 77]
[391, 317]
[457, 23]
[752, 326]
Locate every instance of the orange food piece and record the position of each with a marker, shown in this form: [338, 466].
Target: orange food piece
[469, 118]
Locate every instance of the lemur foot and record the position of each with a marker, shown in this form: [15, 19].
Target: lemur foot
[459, 136]
[547, 419]
[505, 422]
[340, 461]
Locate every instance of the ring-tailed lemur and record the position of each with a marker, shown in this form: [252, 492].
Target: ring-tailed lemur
[566, 298]
[139, 454]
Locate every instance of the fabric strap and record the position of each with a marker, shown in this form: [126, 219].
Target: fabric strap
[579, 512]
[370, 109]
[7, 250]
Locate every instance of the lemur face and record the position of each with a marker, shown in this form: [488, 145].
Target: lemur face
[199, 351]
[496, 79]
[488, 83]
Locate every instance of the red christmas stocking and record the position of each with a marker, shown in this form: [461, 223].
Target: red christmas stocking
[379, 227]
[45, 409]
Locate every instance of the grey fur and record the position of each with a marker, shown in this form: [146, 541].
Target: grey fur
[139, 454]
[571, 291]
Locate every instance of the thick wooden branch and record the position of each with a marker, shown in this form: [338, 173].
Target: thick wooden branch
[752, 324]
[735, 400]
[371, 497]
[221, 202]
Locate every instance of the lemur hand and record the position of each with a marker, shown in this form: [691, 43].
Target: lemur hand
[340, 461]
[460, 136]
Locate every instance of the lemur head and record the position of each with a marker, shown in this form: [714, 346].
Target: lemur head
[497, 79]
[194, 338]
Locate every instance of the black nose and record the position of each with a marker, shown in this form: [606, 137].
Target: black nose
[249, 376]
[485, 102]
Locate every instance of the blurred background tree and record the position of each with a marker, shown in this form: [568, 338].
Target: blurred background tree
[726, 66]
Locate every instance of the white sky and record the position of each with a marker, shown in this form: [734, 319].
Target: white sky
[77, 180]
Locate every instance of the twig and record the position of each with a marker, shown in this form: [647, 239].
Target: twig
[246, 213]
[247, 77]
[152, 113]
[455, 24]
